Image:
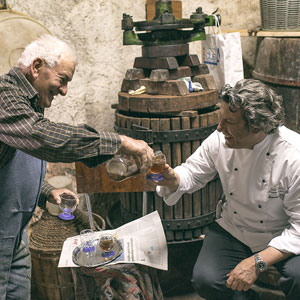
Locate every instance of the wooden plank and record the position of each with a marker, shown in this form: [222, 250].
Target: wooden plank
[96, 180]
[166, 149]
[206, 80]
[128, 85]
[204, 191]
[199, 70]
[165, 50]
[170, 87]
[123, 103]
[187, 198]
[158, 201]
[176, 147]
[195, 123]
[134, 73]
[176, 161]
[180, 72]
[155, 63]
[151, 201]
[212, 184]
[190, 60]
[165, 103]
[263, 33]
[155, 128]
[133, 121]
[159, 75]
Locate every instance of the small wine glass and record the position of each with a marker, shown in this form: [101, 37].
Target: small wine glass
[67, 205]
[107, 242]
[87, 238]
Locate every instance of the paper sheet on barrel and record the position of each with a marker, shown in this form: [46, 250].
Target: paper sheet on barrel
[143, 242]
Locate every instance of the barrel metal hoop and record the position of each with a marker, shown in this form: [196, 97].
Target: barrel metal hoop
[189, 223]
[179, 224]
[170, 136]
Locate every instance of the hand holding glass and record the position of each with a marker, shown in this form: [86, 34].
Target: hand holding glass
[67, 205]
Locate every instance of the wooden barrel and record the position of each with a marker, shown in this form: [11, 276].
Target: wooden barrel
[48, 282]
[177, 137]
[278, 65]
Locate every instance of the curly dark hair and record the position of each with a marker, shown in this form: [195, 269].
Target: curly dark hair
[261, 106]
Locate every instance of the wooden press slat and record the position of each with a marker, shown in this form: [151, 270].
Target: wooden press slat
[187, 198]
[204, 191]
[146, 123]
[195, 123]
[176, 147]
[117, 118]
[155, 128]
[139, 202]
[176, 161]
[166, 149]
[158, 202]
[212, 185]
[133, 120]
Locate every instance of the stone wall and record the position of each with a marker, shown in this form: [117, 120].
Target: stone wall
[93, 29]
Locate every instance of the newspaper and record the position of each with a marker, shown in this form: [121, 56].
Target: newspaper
[143, 242]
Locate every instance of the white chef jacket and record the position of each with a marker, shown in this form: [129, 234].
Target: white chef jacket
[262, 188]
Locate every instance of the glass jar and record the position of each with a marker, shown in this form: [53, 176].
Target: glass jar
[122, 166]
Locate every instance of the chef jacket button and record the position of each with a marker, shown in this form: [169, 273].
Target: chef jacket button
[261, 221]
[268, 153]
[263, 180]
[259, 206]
[235, 169]
[235, 212]
[230, 194]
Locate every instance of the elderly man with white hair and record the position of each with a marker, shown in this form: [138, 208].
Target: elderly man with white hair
[28, 140]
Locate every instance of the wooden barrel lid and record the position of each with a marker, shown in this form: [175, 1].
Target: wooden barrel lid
[165, 103]
[16, 32]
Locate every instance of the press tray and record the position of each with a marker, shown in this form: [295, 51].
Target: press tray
[79, 257]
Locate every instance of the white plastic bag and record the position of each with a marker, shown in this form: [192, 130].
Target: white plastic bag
[222, 52]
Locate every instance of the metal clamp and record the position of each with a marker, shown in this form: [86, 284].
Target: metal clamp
[137, 132]
[189, 223]
[170, 136]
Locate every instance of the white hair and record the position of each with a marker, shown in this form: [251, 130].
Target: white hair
[47, 47]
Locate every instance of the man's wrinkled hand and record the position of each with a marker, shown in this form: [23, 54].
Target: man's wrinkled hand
[140, 149]
[243, 275]
[54, 196]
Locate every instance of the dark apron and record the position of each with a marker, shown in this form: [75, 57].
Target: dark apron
[20, 185]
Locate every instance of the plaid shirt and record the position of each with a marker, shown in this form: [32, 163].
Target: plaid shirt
[23, 127]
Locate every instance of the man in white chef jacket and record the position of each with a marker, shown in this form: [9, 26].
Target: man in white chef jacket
[258, 162]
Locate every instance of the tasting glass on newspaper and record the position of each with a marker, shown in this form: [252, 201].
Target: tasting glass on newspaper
[87, 238]
[107, 242]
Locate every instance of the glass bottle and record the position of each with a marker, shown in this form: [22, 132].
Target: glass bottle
[122, 166]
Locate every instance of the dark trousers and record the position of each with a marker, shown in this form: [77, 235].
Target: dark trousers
[220, 253]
